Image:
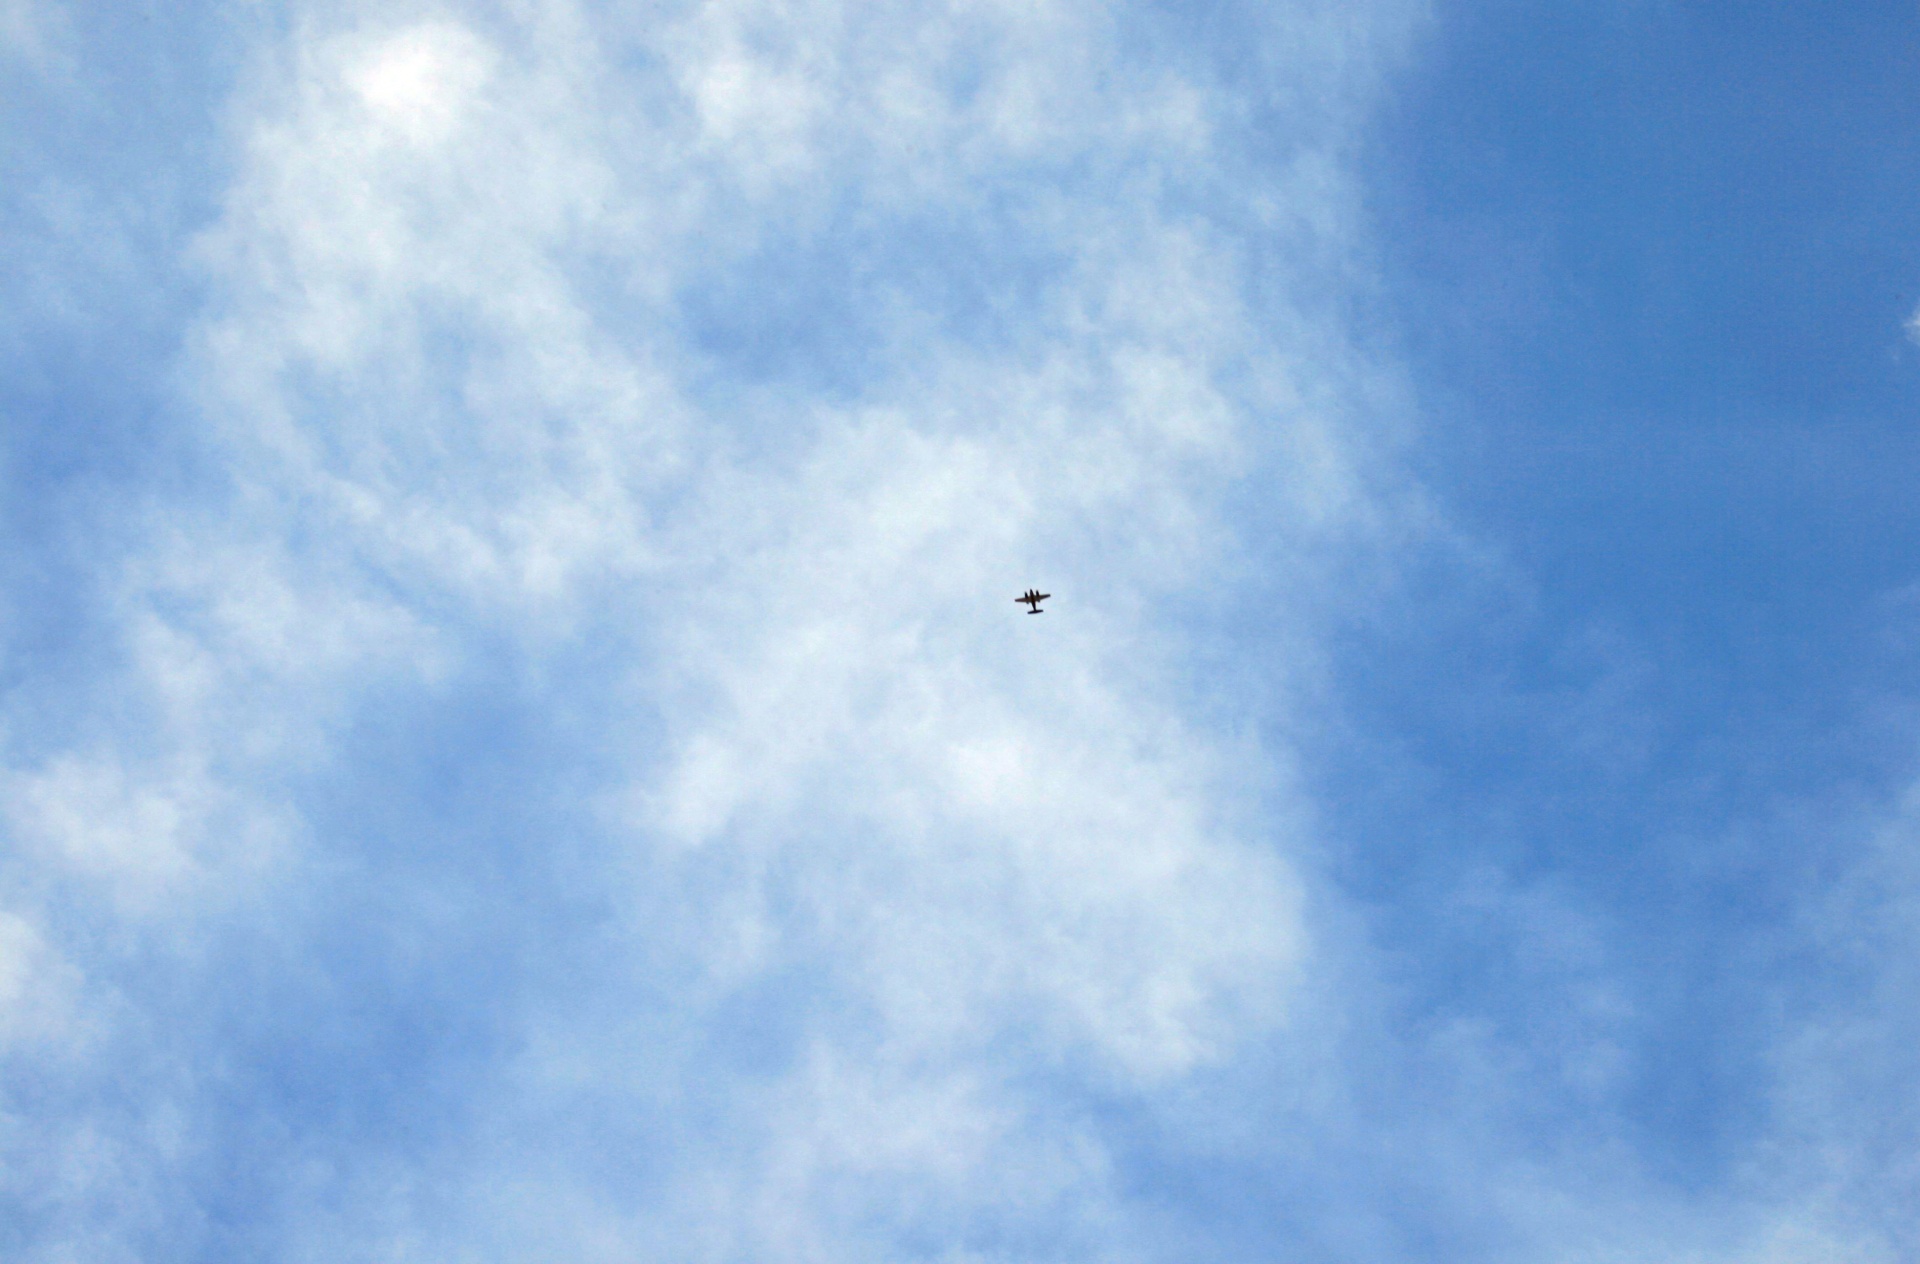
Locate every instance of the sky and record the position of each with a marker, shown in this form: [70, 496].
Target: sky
[516, 741]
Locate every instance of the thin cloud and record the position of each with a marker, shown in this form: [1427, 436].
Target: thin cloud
[444, 367]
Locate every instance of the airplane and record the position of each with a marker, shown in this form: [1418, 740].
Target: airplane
[1033, 600]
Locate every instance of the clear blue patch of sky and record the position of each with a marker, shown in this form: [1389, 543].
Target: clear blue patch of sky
[1653, 262]
[1648, 266]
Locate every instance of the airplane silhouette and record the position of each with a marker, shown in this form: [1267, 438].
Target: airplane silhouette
[1033, 600]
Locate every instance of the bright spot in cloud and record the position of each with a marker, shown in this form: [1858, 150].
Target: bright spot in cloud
[421, 82]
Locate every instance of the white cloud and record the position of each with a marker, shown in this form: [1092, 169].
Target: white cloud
[38, 988]
[446, 363]
[92, 818]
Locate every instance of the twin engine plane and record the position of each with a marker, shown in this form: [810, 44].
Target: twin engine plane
[1033, 600]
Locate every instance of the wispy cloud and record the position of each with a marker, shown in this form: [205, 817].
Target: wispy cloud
[857, 858]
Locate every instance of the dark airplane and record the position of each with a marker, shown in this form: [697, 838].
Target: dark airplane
[1033, 600]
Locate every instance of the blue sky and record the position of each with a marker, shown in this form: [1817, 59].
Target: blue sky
[517, 743]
